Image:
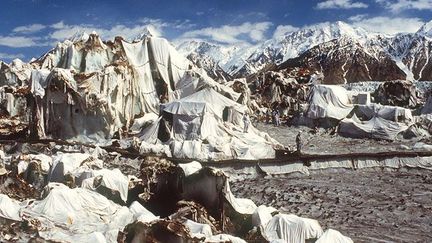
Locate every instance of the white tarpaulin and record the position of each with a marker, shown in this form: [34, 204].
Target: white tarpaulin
[291, 228]
[391, 113]
[374, 128]
[73, 163]
[190, 168]
[207, 125]
[333, 236]
[74, 214]
[198, 230]
[262, 215]
[206, 100]
[240, 205]
[329, 101]
[112, 179]
[140, 213]
[9, 208]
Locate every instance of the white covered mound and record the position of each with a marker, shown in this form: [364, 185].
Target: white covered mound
[89, 89]
[77, 214]
[376, 127]
[207, 125]
[329, 101]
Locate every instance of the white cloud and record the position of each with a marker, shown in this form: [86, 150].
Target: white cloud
[400, 5]
[281, 30]
[17, 41]
[387, 25]
[340, 4]
[230, 33]
[58, 25]
[11, 56]
[27, 29]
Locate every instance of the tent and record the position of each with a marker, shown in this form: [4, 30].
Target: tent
[207, 125]
[329, 101]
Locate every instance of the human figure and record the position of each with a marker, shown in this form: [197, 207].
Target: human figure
[299, 142]
[246, 121]
[276, 117]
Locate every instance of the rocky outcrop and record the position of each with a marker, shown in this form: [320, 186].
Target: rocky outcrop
[346, 61]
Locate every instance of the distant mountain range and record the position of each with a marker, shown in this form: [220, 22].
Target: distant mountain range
[341, 52]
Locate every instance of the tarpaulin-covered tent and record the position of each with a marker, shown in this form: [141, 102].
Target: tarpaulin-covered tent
[207, 125]
[329, 101]
[376, 127]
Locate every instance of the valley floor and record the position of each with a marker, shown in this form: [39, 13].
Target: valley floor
[368, 205]
[323, 142]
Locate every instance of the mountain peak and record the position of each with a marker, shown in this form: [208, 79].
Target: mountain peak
[147, 32]
[426, 29]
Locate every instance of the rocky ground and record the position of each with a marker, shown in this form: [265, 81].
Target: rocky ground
[325, 142]
[372, 205]
[368, 206]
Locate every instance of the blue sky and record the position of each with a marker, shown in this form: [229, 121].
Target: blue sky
[29, 28]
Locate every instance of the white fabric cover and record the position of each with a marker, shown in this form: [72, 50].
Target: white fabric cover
[140, 213]
[64, 163]
[199, 230]
[391, 113]
[374, 128]
[38, 81]
[262, 215]
[206, 100]
[333, 236]
[329, 101]
[240, 205]
[199, 131]
[190, 168]
[112, 179]
[143, 95]
[9, 208]
[291, 228]
[75, 214]
[73, 163]
[166, 58]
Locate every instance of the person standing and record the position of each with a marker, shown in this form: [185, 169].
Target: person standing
[299, 142]
[277, 117]
[246, 122]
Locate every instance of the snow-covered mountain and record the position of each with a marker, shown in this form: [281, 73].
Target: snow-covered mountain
[366, 55]
[347, 60]
[228, 58]
[243, 60]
